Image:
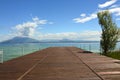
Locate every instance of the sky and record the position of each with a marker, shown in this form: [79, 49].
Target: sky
[54, 19]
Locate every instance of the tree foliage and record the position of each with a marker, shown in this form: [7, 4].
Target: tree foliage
[110, 32]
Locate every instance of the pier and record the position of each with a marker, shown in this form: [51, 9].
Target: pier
[61, 63]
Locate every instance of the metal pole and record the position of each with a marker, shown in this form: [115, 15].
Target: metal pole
[80, 46]
[22, 51]
[2, 56]
[89, 47]
[1, 52]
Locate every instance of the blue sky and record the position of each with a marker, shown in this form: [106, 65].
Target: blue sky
[54, 19]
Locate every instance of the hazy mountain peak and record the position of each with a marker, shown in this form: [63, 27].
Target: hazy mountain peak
[21, 40]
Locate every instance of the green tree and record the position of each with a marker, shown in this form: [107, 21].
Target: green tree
[110, 32]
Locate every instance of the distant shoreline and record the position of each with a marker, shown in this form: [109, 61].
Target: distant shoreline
[54, 42]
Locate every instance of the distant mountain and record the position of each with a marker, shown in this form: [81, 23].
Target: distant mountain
[21, 40]
[57, 41]
[76, 41]
[30, 40]
[66, 40]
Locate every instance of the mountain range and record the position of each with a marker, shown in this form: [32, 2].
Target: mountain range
[21, 40]
[30, 40]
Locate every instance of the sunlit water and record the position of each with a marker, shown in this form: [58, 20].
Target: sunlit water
[11, 51]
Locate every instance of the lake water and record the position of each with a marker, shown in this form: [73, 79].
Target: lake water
[11, 51]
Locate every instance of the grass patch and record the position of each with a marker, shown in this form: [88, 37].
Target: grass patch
[115, 55]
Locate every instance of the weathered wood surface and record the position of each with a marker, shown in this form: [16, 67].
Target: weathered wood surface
[61, 63]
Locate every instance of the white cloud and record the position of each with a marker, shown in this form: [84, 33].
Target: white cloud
[85, 35]
[114, 6]
[58, 35]
[106, 4]
[35, 19]
[38, 21]
[116, 11]
[85, 19]
[83, 15]
[28, 28]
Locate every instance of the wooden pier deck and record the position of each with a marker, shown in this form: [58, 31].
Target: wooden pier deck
[61, 63]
